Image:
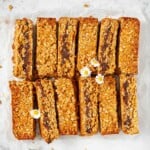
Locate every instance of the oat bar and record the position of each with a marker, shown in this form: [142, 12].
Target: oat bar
[23, 49]
[67, 33]
[46, 105]
[46, 51]
[107, 45]
[87, 42]
[108, 106]
[88, 99]
[128, 45]
[66, 106]
[128, 98]
[22, 103]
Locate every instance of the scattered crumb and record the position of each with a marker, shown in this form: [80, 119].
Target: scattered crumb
[0, 102]
[86, 5]
[7, 21]
[0, 66]
[10, 7]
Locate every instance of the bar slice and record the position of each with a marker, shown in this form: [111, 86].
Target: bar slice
[108, 106]
[129, 115]
[107, 45]
[66, 106]
[46, 105]
[128, 45]
[67, 34]
[23, 49]
[88, 98]
[46, 51]
[22, 103]
[87, 43]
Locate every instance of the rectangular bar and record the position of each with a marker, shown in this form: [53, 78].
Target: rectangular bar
[22, 103]
[46, 51]
[108, 106]
[128, 45]
[107, 46]
[46, 105]
[23, 49]
[129, 115]
[67, 34]
[66, 106]
[87, 43]
[88, 99]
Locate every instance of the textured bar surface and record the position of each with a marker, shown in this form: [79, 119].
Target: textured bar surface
[46, 51]
[88, 97]
[46, 105]
[87, 42]
[108, 106]
[22, 103]
[23, 49]
[128, 96]
[67, 33]
[66, 106]
[128, 45]
[107, 45]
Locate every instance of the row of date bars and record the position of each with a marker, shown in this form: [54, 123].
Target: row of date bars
[69, 107]
[61, 49]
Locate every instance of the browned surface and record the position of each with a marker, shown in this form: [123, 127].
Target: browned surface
[66, 106]
[128, 96]
[88, 99]
[87, 42]
[22, 102]
[67, 34]
[46, 51]
[46, 105]
[128, 45]
[23, 49]
[108, 106]
[107, 45]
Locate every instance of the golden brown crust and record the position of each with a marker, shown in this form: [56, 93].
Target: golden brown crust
[128, 45]
[66, 106]
[128, 98]
[46, 51]
[67, 32]
[107, 45]
[87, 42]
[88, 99]
[22, 102]
[46, 105]
[23, 49]
[108, 106]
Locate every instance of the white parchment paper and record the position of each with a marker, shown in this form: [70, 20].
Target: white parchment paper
[48, 8]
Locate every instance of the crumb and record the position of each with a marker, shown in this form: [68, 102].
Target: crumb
[0, 102]
[0, 66]
[10, 7]
[86, 5]
[52, 148]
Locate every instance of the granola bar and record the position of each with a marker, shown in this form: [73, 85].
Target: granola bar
[22, 103]
[87, 42]
[128, 45]
[107, 45]
[67, 33]
[23, 49]
[46, 51]
[46, 105]
[128, 98]
[108, 106]
[88, 99]
[66, 106]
